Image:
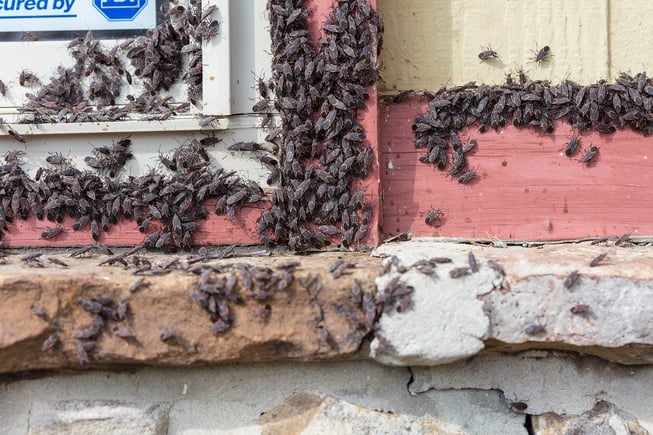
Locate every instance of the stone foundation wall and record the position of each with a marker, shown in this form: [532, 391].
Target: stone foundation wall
[534, 392]
[452, 338]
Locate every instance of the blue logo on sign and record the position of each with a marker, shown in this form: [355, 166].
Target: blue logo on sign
[119, 10]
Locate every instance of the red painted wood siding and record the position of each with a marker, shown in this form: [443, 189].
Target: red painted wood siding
[527, 187]
[216, 230]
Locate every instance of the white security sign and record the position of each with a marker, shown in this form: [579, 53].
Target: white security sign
[66, 15]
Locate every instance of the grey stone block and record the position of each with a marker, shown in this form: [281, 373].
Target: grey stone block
[81, 417]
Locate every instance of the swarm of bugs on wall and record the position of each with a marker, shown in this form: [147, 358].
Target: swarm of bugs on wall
[395, 295]
[219, 287]
[167, 208]
[222, 285]
[103, 310]
[321, 156]
[90, 90]
[527, 103]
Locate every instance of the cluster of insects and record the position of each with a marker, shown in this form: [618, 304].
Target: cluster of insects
[110, 159]
[106, 314]
[622, 240]
[54, 338]
[318, 94]
[365, 300]
[524, 103]
[102, 310]
[159, 57]
[581, 310]
[220, 286]
[540, 56]
[167, 208]
[91, 89]
[321, 143]
[313, 286]
[339, 267]
[396, 294]
[473, 267]
[573, 276]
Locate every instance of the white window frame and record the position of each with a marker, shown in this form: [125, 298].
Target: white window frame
[243, 44]
[228, 92]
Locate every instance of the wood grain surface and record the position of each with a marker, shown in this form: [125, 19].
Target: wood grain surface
[526, 188]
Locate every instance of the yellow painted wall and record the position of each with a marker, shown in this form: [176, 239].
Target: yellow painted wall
[429, 43]
[417, 35]
[631, 36]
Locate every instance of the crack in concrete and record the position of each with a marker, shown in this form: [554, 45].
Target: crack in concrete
[528, 424]
[29, 419]
[411, 379]
[511, 406]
